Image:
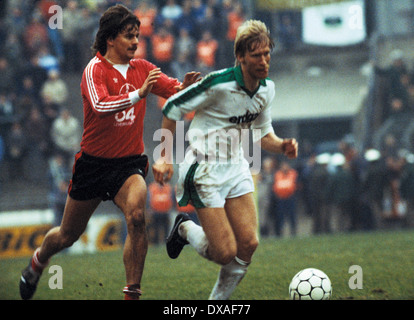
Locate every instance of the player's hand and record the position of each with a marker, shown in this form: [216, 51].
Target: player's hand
[162, 171]
[290, 148]
[189, 79]
[152, 78]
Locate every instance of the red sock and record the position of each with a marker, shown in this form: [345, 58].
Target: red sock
[37, 266]
[132, 292]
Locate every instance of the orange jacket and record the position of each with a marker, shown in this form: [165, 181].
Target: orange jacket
[160, 197]
[206, 52]
[146, 18]
[285, 185]
[234, 22]
[162, 47]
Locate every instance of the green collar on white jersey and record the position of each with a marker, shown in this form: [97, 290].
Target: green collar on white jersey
[239, 78]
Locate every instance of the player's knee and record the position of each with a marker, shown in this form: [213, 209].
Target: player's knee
[249, 246]
[225, 255]
[67, 239]
[135, 219]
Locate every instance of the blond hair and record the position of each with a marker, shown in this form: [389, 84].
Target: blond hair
[250, 35]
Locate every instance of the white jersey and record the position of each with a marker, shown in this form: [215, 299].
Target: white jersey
[223, 108]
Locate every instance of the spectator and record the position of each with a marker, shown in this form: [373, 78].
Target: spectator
[410, 96]
[185, 45]
[284, 188]
[50, 111]
[342, 192]
[163, 48]
[47, 60]
[6, 108]
[53, 33]
[86, 34]
[206, 53]
[397, 121]
[373, 185]
[180, 66]
[318, 183]
[59, 177]
[16, 23]
[161, 201]
[16, 146]
[13, 47]
[392, 198]
[147, 14]
[30, 79]
[264, 191]
[234, 18]
[7, 79]
[66, 135]
[35, 36]
[393, 72]
[2, 155]
[210, 22]
[171, 11]
[187, 20]
[72, 18]
[407, 187]
[55, 88]
[38, 144]
[198, 10]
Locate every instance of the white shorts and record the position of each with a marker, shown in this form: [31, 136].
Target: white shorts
[209, 185]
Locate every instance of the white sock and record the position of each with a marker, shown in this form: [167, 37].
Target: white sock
[195, 236]
[229, 277]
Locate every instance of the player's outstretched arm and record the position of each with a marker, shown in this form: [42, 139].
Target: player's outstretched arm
[189, 79]
[274, 144]
[163, 169]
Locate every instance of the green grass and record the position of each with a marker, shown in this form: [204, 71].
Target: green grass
[386, 258]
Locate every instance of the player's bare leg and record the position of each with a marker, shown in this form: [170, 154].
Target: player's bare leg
[241, 213]
[131, 199]
[74, 222]
[228, 236]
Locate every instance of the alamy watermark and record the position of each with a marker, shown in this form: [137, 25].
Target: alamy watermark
[356, 280]
[56, 280]
[215, 146]
[56, 20]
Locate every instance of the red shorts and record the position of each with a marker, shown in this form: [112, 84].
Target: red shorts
[95, 177]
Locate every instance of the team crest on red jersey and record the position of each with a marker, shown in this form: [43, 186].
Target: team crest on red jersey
[127, 88]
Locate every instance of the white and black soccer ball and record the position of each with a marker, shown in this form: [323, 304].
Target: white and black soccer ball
[310, 284]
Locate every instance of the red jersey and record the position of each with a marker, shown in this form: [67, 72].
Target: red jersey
[113, 125]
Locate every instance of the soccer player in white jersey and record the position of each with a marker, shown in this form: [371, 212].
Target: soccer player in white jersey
[222, 193]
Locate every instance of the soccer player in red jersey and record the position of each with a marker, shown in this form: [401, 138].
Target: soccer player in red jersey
[111, 164]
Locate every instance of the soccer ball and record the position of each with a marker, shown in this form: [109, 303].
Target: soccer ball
[310, 284]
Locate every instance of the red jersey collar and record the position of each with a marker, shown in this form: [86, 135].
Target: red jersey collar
[101, 57]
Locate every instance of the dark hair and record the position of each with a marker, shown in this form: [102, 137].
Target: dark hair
[113, 21]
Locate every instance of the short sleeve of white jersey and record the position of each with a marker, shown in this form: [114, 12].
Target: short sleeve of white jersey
[263, 123]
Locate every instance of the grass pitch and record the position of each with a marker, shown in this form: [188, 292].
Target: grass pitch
[386, 259]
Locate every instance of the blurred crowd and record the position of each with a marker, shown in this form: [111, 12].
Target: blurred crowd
[397, 97]
[36, 122]
[347, 189]
[343, 191]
